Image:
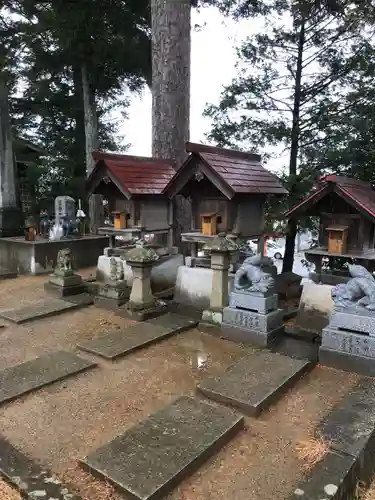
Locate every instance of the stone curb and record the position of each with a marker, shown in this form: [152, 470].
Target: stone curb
[350, 429]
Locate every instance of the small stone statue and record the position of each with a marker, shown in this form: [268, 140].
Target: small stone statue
[359, 291]
[251, 278]
[116, 270]
[64, 264]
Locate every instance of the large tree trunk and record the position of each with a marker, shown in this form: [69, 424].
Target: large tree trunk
[79, 167]
[171, 47]
[291, 231]
[11, 219]
[96, 212]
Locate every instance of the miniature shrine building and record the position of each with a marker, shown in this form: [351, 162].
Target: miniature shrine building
[346, 211]
[228, 190]
[134, 190]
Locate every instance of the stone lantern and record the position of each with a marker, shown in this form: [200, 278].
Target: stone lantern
[142, 303]
[221, 249]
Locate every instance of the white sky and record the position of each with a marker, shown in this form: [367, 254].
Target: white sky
[213, 60]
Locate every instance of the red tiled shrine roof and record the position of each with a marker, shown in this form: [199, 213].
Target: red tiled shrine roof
[359, 193]
[137, 175]
[242, 172]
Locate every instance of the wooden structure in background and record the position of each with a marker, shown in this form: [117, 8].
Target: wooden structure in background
[337, 239]
[208, 224]
[346, 211]
[134, 189]
[230, 187]
[120, 220]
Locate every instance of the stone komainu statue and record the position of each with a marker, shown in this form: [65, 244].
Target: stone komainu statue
[359, 291]
[116, 270]
[65, 259]
[251, 278]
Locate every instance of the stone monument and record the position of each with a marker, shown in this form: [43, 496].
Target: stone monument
[348, 342]
[64, 207]
[142, 304]
[252, 316]
[221, 249]
[64, 281]
[115, 290]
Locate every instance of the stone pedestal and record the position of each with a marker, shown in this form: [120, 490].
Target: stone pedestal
[64, 284]
[348, 342]
[64, 281]
[221, 249]
[113, 294]
[142, 304]
[252, 318]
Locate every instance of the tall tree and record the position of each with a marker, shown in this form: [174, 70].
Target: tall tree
[304, 53]
[69, 66]
[171, 47]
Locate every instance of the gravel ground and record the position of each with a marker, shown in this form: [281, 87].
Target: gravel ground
[66, 421]
[8, 493]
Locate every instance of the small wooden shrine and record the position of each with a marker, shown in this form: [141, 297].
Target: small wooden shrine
[346, 211]
[134, 189]
[228, 190]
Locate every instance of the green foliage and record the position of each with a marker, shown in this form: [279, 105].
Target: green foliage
[293, 74]
[46, 44]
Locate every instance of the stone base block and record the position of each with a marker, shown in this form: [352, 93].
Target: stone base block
[348, 342]
[250, 320]
[252, 302]
[354, 320]
[142, 314]
[212, 317]
[252, 337]
[118, 293]
[66, 281]
[64, 291]
[348, 351]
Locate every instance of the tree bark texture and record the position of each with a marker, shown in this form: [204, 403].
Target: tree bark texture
[79, 168]
[8, 195]
[11, 218]
[171, 46]
[291, 231]
[96, 211]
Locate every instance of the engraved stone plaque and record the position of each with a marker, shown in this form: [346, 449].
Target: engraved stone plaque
[249, 320]
[348, 342]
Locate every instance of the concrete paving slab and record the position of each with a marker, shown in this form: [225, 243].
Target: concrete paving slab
[334, 478]
[44, 308]
[121, 342]
[350, 427]
[150, 459]
[27, 377]
[32, 480]
[255, 382]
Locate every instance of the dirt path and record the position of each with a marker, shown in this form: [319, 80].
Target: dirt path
[66, 421]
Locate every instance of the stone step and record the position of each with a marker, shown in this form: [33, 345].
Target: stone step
[27, 377]
[29, 478]
[255, 381]
[150, 459]
[45, 308]
[121, 342]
